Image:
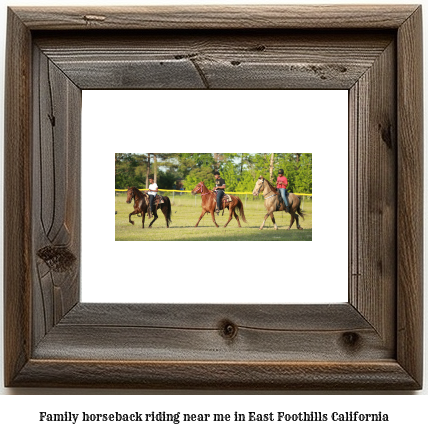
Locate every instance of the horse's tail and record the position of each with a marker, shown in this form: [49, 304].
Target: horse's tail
[299, 210]
[241, 210]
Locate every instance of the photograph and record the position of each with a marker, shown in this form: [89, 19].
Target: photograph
[193, 194]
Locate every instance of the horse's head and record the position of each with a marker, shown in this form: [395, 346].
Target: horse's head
[199, 188]
[259, 185]
[130, 194]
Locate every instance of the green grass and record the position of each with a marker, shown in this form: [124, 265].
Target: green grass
[185, 214]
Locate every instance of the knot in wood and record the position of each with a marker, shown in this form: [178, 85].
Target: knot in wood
[351, 340]
[258, 48]
[227, 329]
[94, 18]
[58, 259]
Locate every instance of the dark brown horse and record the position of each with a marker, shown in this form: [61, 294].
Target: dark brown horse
[141, 207]
[272, 203]
[209, 204]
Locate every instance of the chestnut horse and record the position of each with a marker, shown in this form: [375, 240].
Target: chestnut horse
[141, 207]
[272, 203]
[209, 204]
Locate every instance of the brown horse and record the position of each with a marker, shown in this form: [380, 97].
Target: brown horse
[141, 207]
[272, 203]
[209, 204]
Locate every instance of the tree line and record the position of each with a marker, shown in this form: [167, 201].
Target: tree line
[239, 170]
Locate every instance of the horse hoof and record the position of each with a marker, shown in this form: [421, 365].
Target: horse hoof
[131, 223]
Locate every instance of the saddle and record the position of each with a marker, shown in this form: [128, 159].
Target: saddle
[158, 201]
[226, 198]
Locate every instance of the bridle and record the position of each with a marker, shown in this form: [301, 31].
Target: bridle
[201, 189]
[132, 196]
[261, 185]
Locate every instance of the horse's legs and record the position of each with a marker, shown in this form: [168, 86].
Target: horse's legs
[230, 216]
[200, 218]
[237, 218]
[132, 213]
[292, 219]
[155, 217]
[264, 221]
[273, 221]
[165, 213]
[297, 222]
[212, 215]
[143, 218]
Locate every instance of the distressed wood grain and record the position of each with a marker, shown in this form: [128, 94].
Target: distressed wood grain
[410, 192]
[217, 17]
[56, 194]
[17, 199]
[373, 163]
[372, 342]
[216, 60]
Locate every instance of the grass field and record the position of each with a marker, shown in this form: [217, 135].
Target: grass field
[186, 210]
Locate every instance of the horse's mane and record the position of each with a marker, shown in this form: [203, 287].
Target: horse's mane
[271, 186]
[209, 190]
[137, 192]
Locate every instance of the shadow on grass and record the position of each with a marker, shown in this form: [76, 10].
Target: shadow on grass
[261, 236]
[191, 234]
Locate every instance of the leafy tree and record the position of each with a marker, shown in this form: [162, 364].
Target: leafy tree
[230, 174]
[303, 180]
[128, 170]
[197, 175]
[240, 170]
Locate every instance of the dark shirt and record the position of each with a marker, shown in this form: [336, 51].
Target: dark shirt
[219, 182]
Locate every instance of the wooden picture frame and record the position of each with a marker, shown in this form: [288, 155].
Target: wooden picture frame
[372, 342]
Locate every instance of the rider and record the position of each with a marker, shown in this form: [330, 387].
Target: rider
[220, 185]
[281, 185]
[153, 189]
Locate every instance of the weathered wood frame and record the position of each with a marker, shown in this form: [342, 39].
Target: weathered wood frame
[372, 342]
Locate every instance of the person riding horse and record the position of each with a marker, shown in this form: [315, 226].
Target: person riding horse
[281, 185]
[220, 185]
[152, 192]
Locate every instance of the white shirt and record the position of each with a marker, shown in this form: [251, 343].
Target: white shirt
[153, 186]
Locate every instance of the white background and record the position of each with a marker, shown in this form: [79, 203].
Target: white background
[204, 121]
[21, 412]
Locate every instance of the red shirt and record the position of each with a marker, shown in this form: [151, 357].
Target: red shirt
[282, 179]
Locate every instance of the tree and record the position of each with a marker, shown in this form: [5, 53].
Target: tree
[303, 181]
[197, 175]
[240, 170]
[128, 170]
[155, 167]
[148, 171]
[271, 166]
